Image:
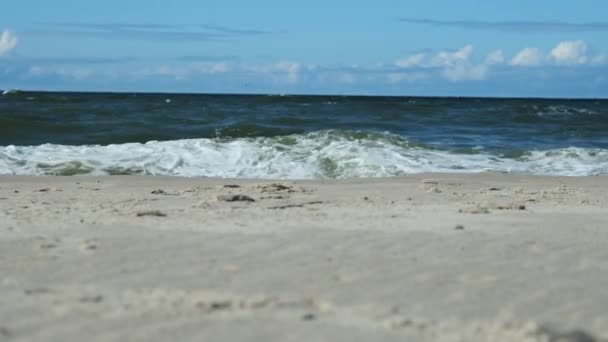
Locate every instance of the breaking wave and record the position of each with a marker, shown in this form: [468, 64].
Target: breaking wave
[316, 155]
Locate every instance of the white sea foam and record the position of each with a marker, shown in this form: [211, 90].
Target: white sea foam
[315, 155]
[561, 110]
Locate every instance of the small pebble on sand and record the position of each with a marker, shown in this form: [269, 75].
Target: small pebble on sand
[308, 317]
[157, 213]
[235, 198]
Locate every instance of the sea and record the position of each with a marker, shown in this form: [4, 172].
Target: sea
[297, 137]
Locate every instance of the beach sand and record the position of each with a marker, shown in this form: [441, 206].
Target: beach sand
[430, 257]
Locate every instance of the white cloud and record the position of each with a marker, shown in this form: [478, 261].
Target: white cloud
[569, 53]
[495, 57]
[566, 53]
[8, 41]
[528, 57]
[459, 65]
[415, 60]
[439, 60]
[451, 58]
[455, 65]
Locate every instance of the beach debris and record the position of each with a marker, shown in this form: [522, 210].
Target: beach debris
[163, 192]
[92, 299]
[431, 186]
[232, 186]
[574, 336]
[47, 245]
[474, 210]
[37, 291]
[309, 317]
[215, 305]
[221, 305]
[485, 208]
[494, 189]
[235, 198]
[273, 197]
[300, 205]
[366, 198]
[275, 187]
[44, 190]
[89, 245]
[156, 213]
[511, 206]
[459, 227]
[4, 332]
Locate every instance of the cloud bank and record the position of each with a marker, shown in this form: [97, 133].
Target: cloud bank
[570, 66]
[568, 53]
[460, 64]
[455, 66]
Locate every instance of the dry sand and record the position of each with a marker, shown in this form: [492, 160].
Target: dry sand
[434, 257]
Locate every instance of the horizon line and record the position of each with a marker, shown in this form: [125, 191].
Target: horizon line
[125, 92]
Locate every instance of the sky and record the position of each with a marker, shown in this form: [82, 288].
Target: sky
[511, 48]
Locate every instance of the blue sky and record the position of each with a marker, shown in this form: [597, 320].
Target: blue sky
[543, 48]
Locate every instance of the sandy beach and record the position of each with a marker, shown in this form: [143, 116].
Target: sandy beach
[429, 257]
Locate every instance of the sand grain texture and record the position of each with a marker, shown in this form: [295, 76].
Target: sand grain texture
[433, 257]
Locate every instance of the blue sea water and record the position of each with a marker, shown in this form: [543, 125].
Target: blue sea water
[297, 137]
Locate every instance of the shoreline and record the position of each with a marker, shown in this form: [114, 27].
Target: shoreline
[431, 257]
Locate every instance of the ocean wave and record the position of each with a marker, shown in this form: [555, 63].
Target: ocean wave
[317, 155]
